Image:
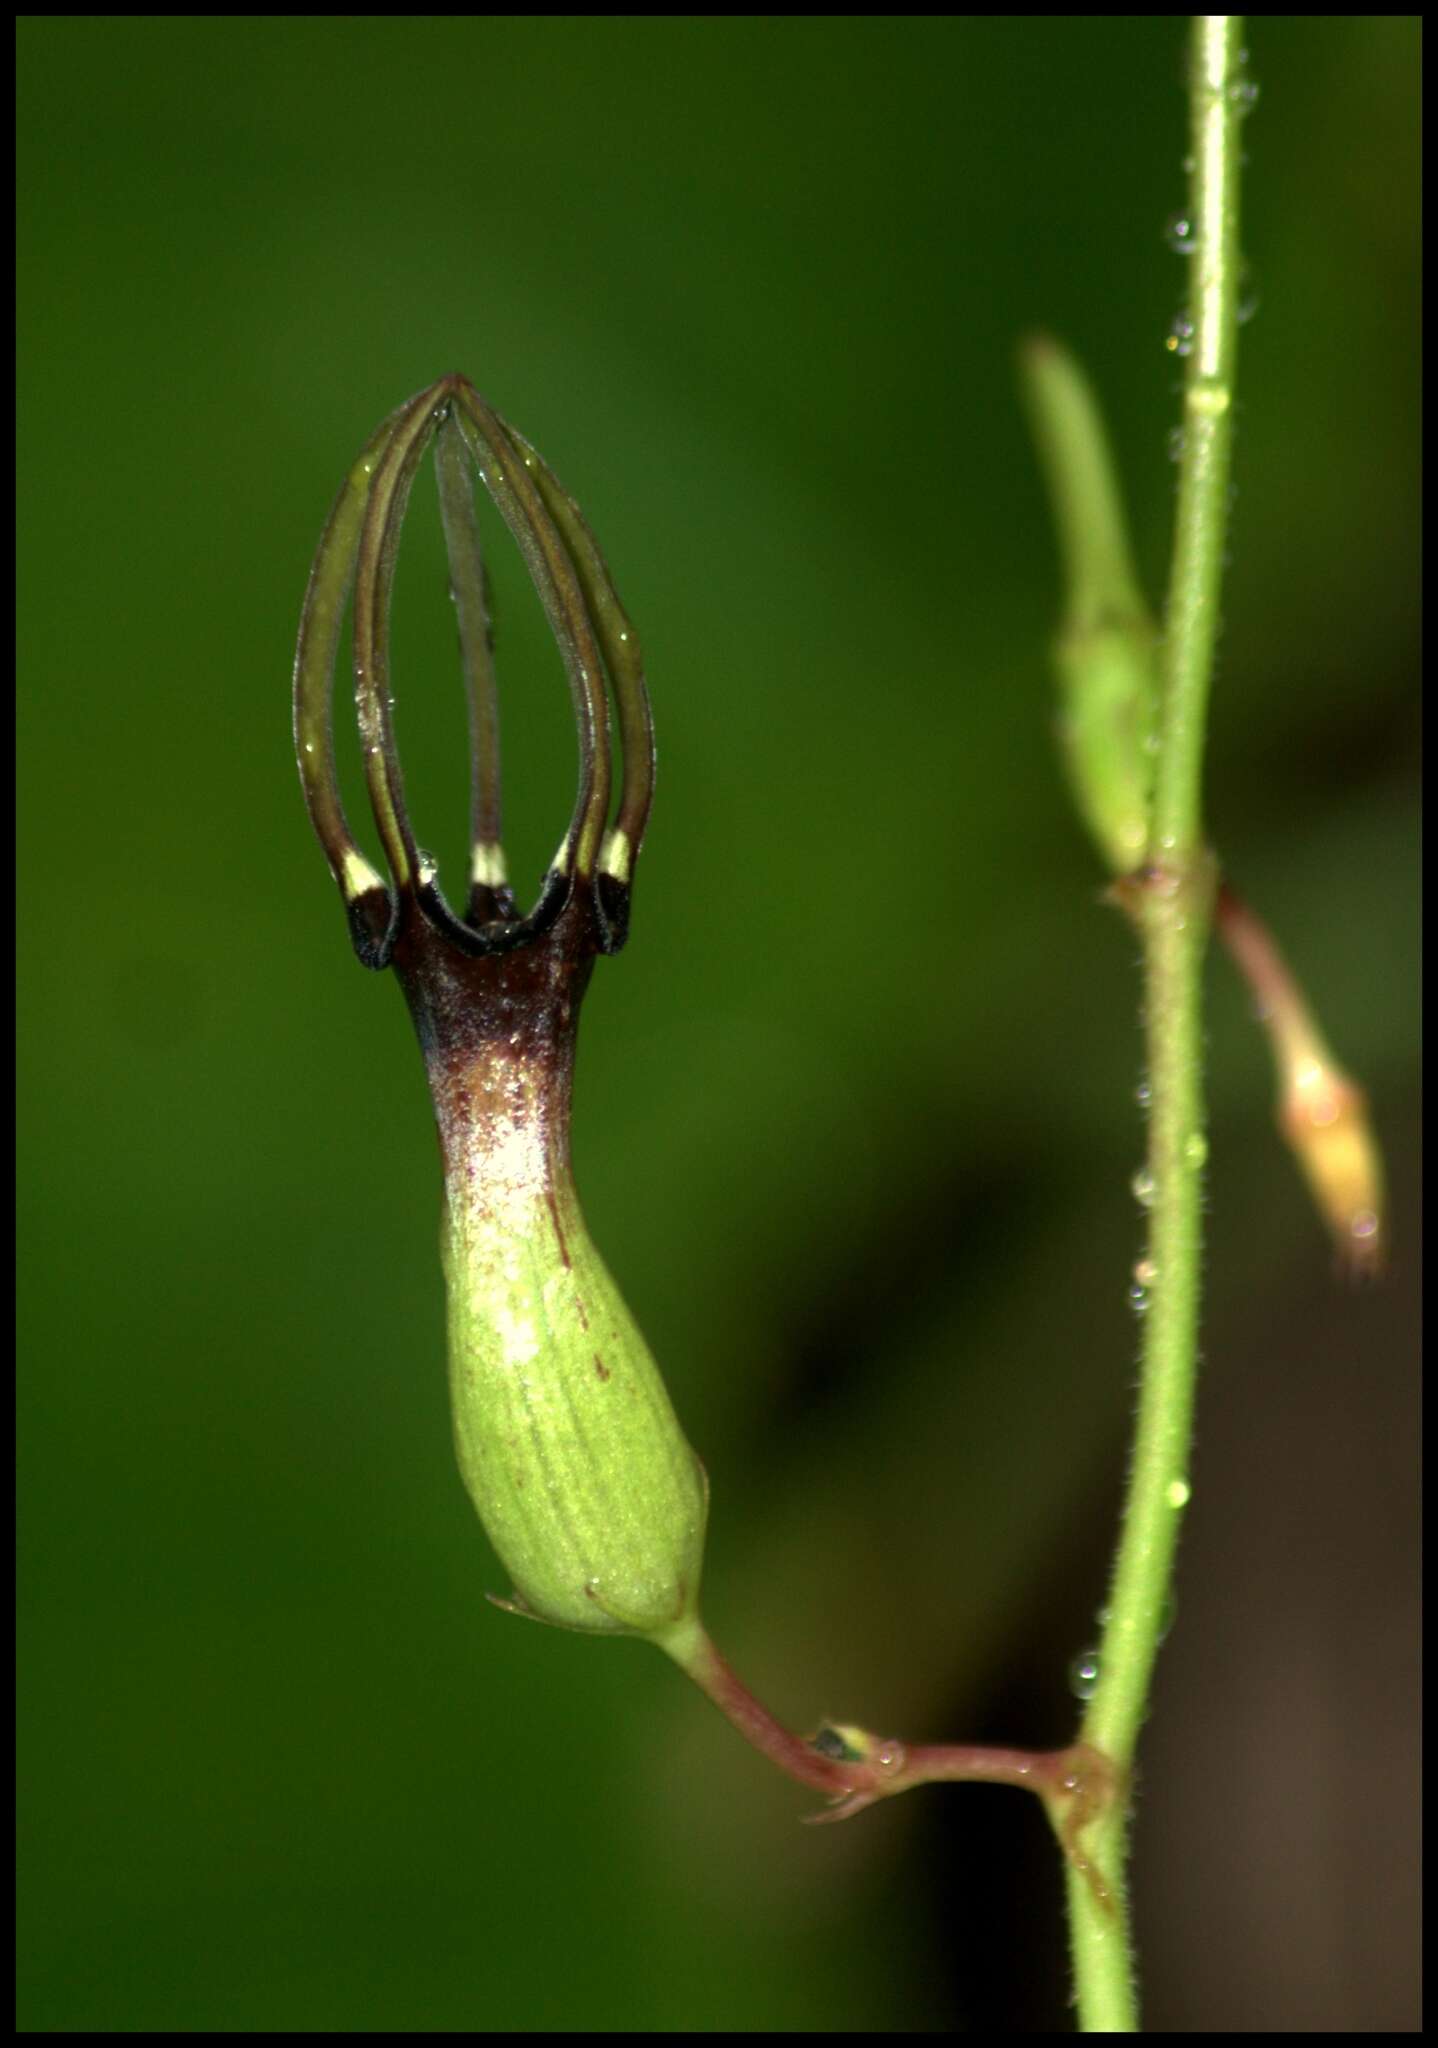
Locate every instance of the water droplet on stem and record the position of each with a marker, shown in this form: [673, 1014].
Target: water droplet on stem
[1084, 1675]
[1179, 339]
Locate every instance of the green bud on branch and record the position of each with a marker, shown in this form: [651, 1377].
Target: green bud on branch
[1106, 650]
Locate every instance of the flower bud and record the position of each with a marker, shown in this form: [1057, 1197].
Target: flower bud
[566, 1438]
[1324, 1117]
[1322, 1112]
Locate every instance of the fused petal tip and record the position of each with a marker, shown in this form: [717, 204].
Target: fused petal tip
[598, 645]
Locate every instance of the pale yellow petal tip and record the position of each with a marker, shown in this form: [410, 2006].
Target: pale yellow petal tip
[359, 877]
[486, 867]
[617, 856]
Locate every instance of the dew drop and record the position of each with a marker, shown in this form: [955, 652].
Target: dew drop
[1180, 231]
[1143, 1094]
[1177, 442]
[1142, 1185]
[1178, 1493]
[1179, 339]
[1364, 1224]
[1243, 96]
[1167, 1615]
[1195, 1149]
[1138, 1299]
[1084, 1675]
[1249, 297]
[1145, 1272]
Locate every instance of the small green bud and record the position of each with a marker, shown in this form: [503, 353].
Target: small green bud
[1106, 652]
[566, 1438]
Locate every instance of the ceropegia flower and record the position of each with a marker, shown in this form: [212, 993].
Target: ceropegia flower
[566, 1437]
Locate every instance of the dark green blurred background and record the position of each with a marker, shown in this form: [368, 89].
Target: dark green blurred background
[855, 1115]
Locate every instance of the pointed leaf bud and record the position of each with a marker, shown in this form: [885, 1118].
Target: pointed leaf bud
[1105, 654]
